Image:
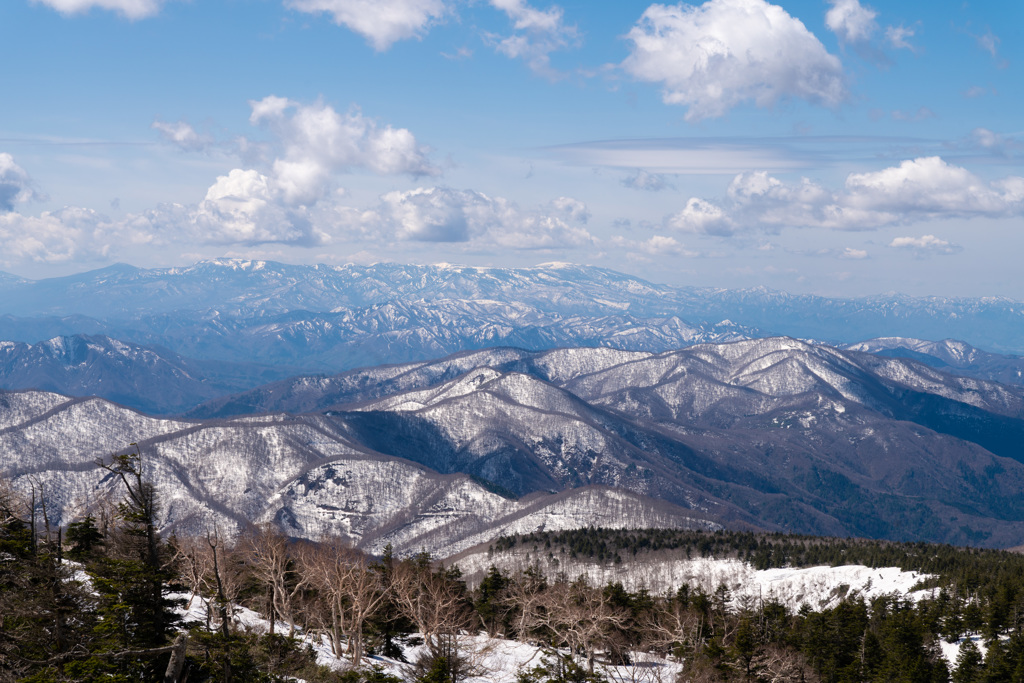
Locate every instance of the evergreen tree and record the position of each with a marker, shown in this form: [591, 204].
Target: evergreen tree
[131, 579]
[968, 664]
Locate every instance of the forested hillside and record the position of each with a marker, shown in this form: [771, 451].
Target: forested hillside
[104, 599]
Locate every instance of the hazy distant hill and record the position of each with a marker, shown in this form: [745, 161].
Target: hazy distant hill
[149, 379]
[333, 318]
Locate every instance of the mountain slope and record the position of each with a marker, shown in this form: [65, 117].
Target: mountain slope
[774, 432]
[149, 379]
[949, 355]
[302, 473]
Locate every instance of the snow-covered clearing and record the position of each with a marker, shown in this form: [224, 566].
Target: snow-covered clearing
[819, 587]
[495, 660]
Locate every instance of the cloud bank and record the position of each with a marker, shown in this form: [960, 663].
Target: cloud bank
[921, 189]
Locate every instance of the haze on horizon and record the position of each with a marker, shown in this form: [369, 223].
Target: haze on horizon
[838, 147]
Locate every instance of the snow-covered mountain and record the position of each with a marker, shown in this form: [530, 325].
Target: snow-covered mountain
[149, 379]
[949, 355]
[331, 318]
[774, 433]
[303, 473]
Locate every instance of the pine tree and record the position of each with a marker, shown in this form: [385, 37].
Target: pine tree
[132, 580]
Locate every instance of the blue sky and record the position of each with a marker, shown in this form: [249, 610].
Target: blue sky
[840, 147]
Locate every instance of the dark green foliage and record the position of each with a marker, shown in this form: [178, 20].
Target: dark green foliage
[559, 669]
[490, 604]
[83, 538]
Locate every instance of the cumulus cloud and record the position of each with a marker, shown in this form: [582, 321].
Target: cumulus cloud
[713, 57]
[642, 180]
[381, 22]
[700, 216]
[131, 9]
[315, 141]
[851, 21]
[281, 201]
[925, 244]
[931, 187]
[182, 135]
[54, 236]
[536, 34]
[15, 184]
[242, 207]
[920, 189]
[441, 214]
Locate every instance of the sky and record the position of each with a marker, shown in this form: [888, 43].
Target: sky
[837, 147]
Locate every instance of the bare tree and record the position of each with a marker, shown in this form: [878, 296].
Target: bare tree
[784, 665]
[432, 600]
[670, 626]
[271, 561]
[583, 618]
[350, 590]
[526, 596]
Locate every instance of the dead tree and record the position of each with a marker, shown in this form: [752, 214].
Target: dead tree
[272, 563]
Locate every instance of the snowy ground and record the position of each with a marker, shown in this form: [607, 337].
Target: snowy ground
[819, 587]
[496, 660]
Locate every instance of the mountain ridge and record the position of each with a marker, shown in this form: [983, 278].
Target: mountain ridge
[776, 434]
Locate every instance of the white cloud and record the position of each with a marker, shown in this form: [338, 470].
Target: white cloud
[281, 201]
[925, 244]
[15, 184]
[851, 21]
[537, 33]
[381, 22]
[713, 57]
[642, 180]
[132, 9]
[897, 37]
[931, 187]
[700, 216]
[997, 143]
[54, 236]
[315, 141]
[851, 253]
[241, 207]
[440, 214]
[921, 189]
[656, 245]
[181, 135]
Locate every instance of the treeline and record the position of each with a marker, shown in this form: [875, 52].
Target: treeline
[92, 603]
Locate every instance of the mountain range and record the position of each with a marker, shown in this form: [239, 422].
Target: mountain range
[774, 433]
[165, 340]
[437, 406]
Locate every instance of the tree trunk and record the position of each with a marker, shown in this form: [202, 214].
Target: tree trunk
[177, 663]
